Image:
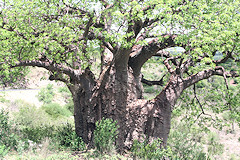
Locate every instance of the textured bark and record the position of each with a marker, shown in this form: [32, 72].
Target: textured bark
[81, 115]
[84, 113]
[153, 118]
[117, 91]
[118, 97]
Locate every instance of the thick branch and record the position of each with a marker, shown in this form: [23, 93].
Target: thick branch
[151, 83]
[49, 66]
[228, 55]
[58, 78]
[162, 53]
[85, 34]
[206, 74]
[139, 57]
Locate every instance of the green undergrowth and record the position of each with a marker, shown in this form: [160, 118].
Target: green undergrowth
[59, 141]
[105, 135]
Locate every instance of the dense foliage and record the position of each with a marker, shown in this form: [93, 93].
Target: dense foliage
[71, 33]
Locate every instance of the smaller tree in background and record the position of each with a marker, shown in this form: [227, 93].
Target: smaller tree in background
[46, 95]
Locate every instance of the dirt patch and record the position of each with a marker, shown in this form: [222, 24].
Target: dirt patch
[230, 142]
[29, 96]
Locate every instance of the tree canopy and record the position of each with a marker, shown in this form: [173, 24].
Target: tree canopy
[64, 32]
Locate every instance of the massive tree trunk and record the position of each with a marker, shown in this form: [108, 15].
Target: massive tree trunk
[84, 113]
[118, 96]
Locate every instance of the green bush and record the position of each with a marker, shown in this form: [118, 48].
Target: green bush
[70, 106]
[34, 123]
[149, 89]
[185, 141]
[55, 110]
[64, 90]
[3, 99]
[152, 150]
[38, 133]
[66, 94]
[9, 136]
[105, 135]
[202, 84]
[29, 115]
[66, 137]
[3, 150]
[46, 95]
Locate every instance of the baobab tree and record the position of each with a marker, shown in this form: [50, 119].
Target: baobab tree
[70, 38]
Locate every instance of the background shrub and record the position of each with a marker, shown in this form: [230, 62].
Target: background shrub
[214, 147]
[66, 94]
[33, 123]
[30, 115]
[55, 110]
[8, 138]
[185, 141]
[38, 133]
[46, 95]
[9, 135]
[152, 150]
[3, 99]
[3, 150]
[70, 106]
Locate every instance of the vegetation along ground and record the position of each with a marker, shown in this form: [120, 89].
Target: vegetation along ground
[147, 79]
